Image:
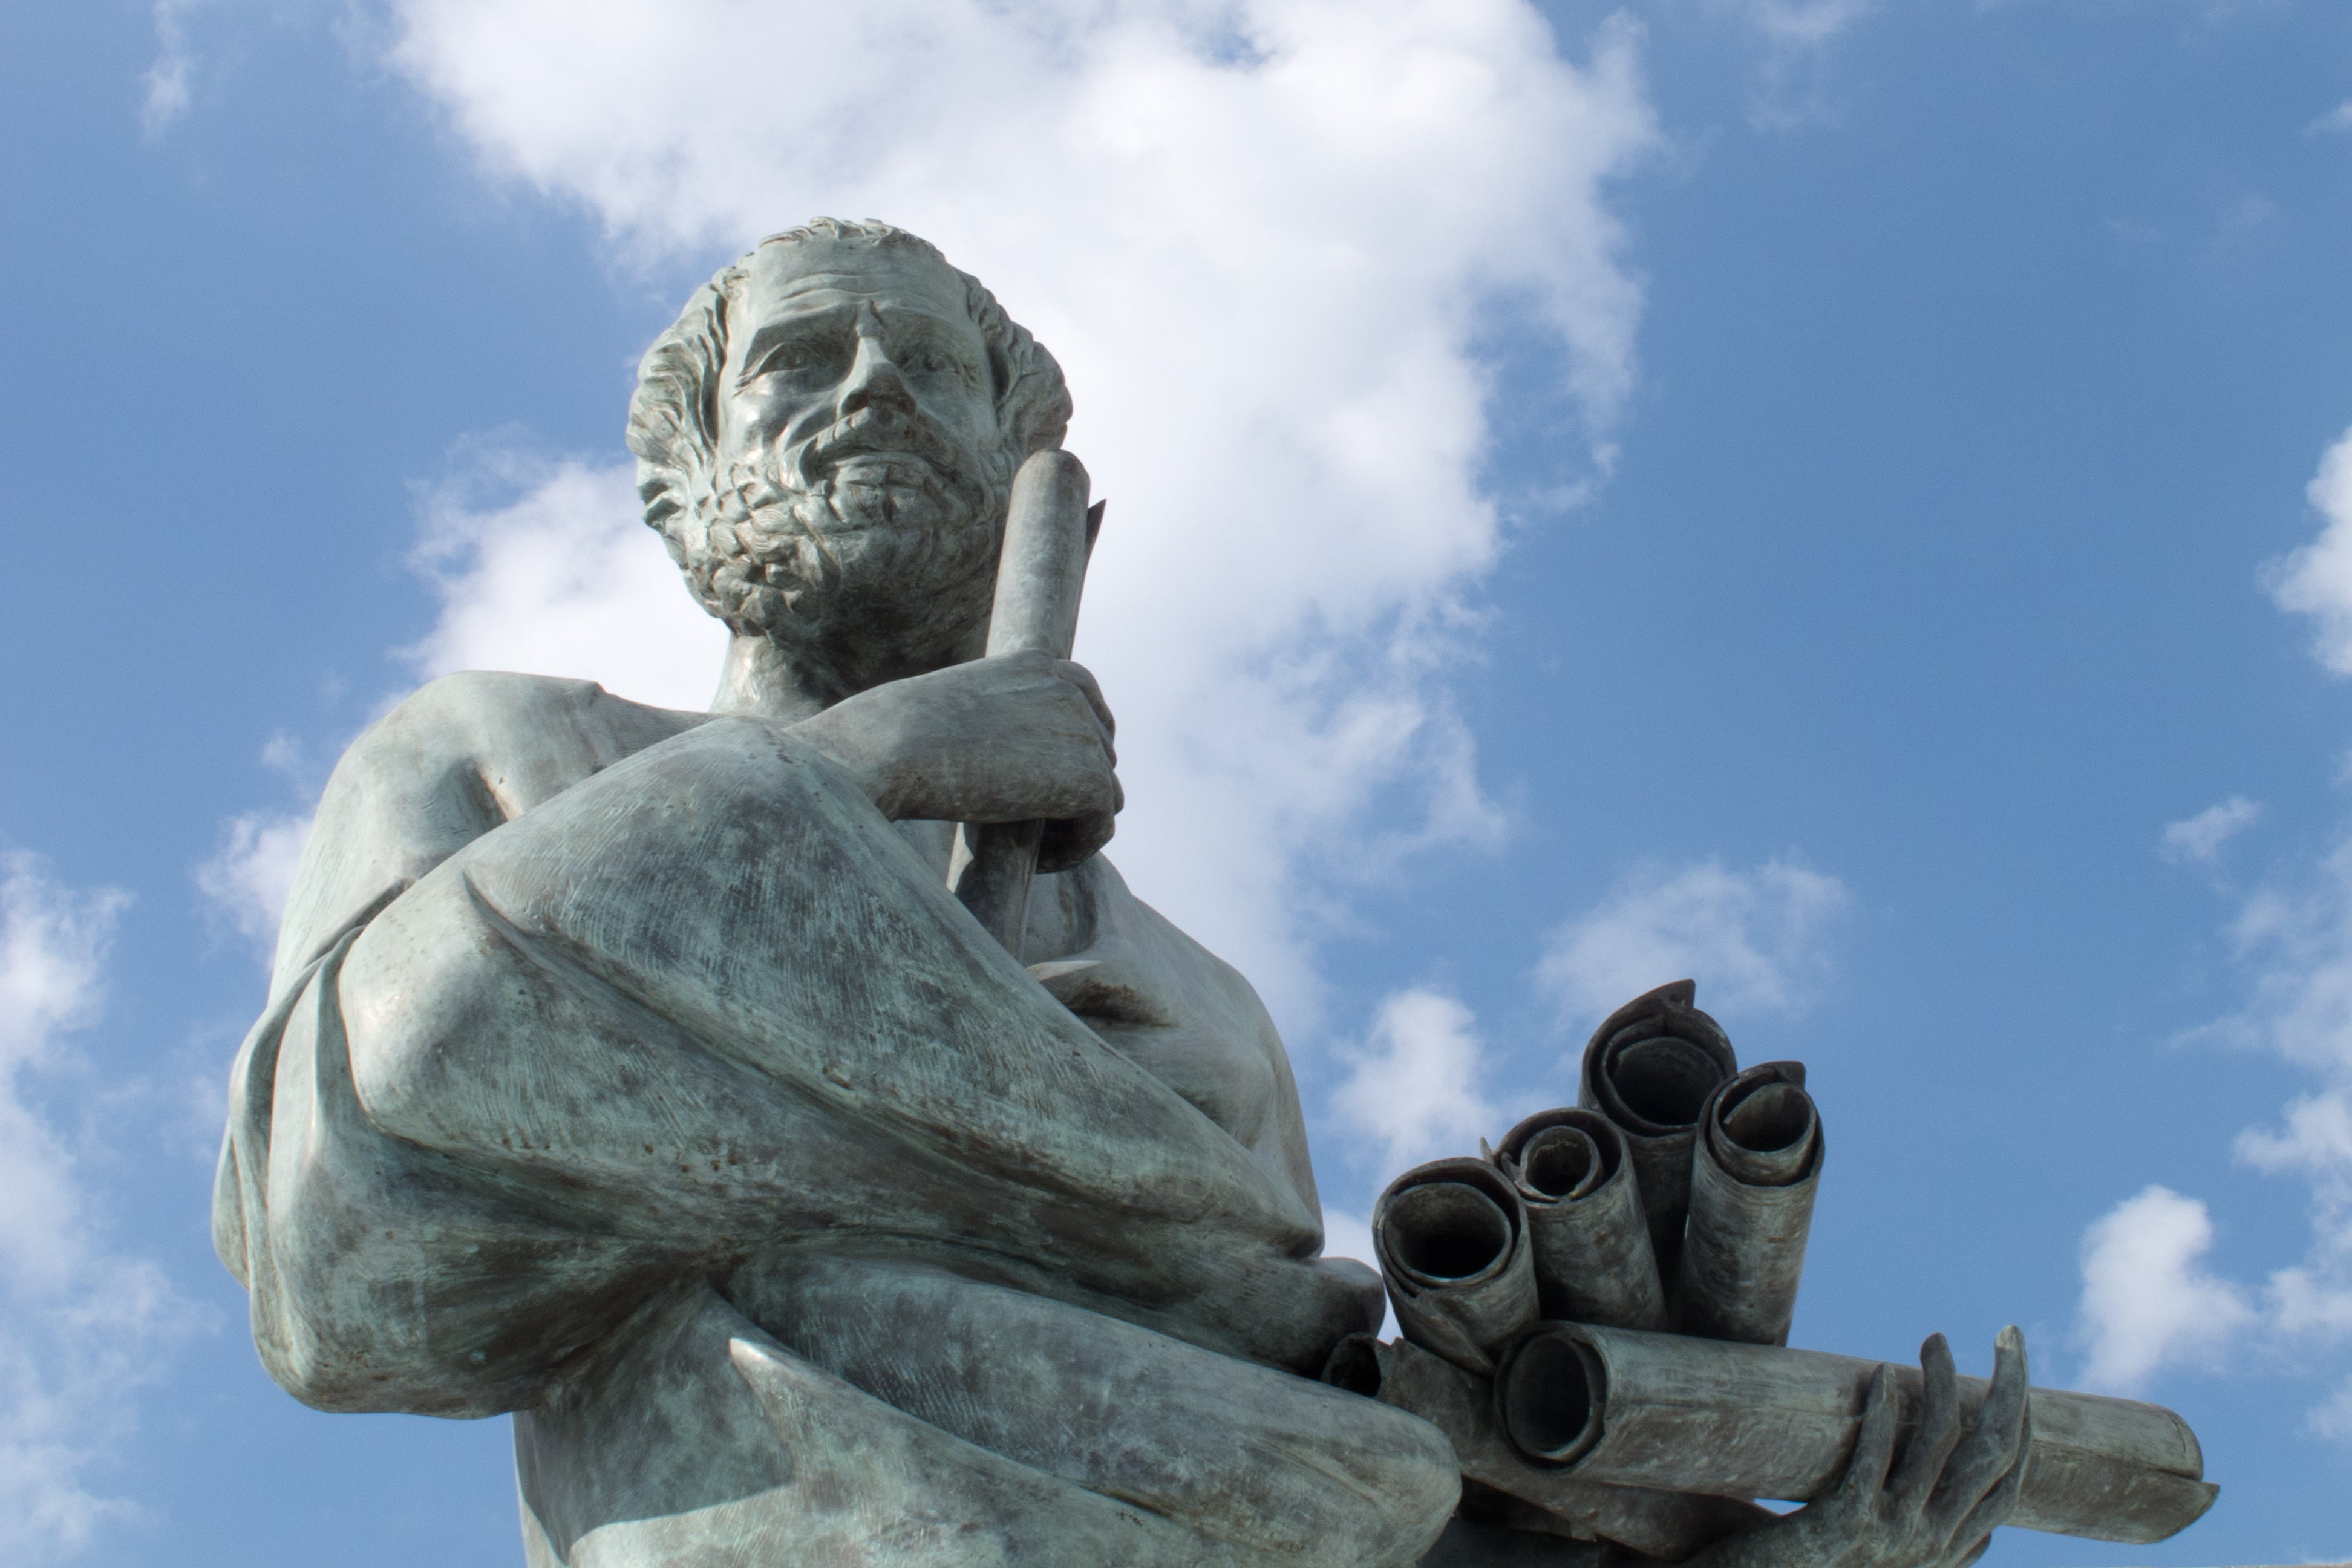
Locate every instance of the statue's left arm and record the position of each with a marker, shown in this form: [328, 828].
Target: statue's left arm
[1935, 1506]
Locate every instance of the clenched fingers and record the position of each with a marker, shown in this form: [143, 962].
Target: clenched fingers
[1079, 675]
[1865, 1472]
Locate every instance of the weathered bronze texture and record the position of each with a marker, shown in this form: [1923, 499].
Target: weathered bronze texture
[1755, 1168]
[1649, 1069]
[1452, 1241]
[1592, 1254]
[1684, 1413]
[1461, 1404]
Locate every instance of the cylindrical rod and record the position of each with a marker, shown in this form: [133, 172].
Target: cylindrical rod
[1679, 1414]
[1592, 1257]
[1039, 576]
[1755, 1168]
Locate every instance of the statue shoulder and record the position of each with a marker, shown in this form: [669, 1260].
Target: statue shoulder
[451, 762]
[533, 728]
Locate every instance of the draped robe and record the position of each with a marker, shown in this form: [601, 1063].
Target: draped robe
[626, 1070]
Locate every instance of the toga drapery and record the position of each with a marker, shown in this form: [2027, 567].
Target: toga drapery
[626, 1070]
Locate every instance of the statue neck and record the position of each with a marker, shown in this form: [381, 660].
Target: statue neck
[759, 681]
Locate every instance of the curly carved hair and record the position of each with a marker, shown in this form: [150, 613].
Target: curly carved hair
[674, 415]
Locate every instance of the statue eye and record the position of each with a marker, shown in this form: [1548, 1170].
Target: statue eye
[788, 359]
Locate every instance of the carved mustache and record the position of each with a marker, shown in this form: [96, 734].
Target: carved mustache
[885, 432]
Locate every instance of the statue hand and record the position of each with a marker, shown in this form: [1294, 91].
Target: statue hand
[1937, 1509]
[1017, 738]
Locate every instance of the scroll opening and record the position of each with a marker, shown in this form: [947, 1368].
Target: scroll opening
[1446, 1232]
[1551, 1394]
[1562, 1162]
[1772, 1117]
[1663, 1079]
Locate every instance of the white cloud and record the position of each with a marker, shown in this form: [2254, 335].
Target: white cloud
[78, 1327]
[164, 88]
[1262, 237]
[2314, 1298]
[2336, 119]
[1753, 940]
[563, 578]
[1416, 1085]
[1348, 1235]
[2296, 943]
[2316, 580]
[247, 879]
[1802, 24]
[2199, 838]
[1795, 88]
[2299, 942]
[2334, 1418]
[2145, 1301]
[51, 945]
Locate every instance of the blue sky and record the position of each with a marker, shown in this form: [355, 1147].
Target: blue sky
[1820, 497]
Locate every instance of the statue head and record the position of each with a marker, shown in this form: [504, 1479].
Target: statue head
[826, 438]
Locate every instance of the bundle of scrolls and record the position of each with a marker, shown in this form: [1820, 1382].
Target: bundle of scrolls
[1596, 1313]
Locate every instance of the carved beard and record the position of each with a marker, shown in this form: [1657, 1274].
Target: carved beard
[866, 552]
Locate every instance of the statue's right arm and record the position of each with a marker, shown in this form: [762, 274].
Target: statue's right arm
[551, 1034]
[458, 758]
[1013, 738]
[444, 769]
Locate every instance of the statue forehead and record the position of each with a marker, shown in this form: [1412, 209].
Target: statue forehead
[813, 273]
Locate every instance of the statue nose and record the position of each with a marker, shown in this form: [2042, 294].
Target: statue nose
[874, 381]
[879, 387]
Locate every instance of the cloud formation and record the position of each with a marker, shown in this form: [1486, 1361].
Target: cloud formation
[164, 88]
[2316, 580]
[1753, 939]
[2146, 1302]
[2148, 1307]
[78, 1325]
[1264, 238]
[248, 877]
[1801, 24]
[2199, 839]
[1418, 1084]
[561, 576]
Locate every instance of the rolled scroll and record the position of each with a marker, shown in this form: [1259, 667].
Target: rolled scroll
[1452, 1239]
[1678, 1414]
[1649, 1070]
[1049, 533]
[1755, 1166]
[1462, 1406]
[1592, 1257]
